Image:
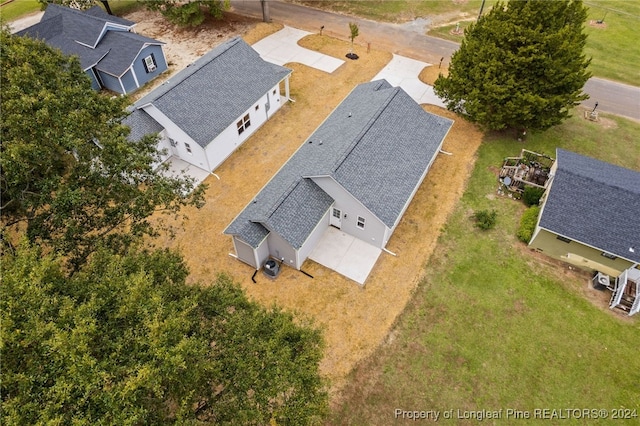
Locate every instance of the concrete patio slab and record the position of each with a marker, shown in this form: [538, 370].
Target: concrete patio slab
[403, 72]
[282, 47]
[178, 167]
[345, 254]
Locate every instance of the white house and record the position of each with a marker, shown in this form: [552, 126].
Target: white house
[206, 111]
[358, 172]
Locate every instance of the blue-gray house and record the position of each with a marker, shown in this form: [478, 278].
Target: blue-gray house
[114, 57]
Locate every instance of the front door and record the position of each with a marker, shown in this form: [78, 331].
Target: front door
[336, 218]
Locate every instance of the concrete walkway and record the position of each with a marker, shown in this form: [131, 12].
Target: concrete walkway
[402, 71]
[345, 254]
[282, 47]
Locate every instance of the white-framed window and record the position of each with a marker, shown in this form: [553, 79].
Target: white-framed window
[186, 145]
[149, 63]
[336, 213]
[360, 222]
[173, 143]
[243, 124]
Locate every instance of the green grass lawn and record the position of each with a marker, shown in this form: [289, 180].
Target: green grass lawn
[398, 10]
[491, 327]
[614, 48]
[18, 8]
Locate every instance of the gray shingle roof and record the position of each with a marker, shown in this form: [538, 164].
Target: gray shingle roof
[595, 203]
[210, 94]
[141, 124]
[377, 144]
[76, 33]
[124, 48]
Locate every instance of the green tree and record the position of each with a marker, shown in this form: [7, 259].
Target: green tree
[189, 13]
[354, 31]
[521, 66]
[77, 4]
[126, 342]
[67, 169]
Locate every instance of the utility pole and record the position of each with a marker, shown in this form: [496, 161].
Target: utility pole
[266, 17]
[481, 7]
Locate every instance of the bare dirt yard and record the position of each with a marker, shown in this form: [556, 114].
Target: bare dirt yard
[355, 319]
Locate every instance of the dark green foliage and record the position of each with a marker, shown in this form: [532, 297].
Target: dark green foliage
[68, 170]
[485, 219]
[125, 341]
[528, 224]
[189, 13]
[75, 4]
[531, 195]
[521, 66]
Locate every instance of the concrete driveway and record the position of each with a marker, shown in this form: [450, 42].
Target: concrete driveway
[402, 71]
[282, 47]
[345, 254]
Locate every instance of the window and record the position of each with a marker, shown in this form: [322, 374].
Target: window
[243, 124]
[149, 63]
[608, 255]
[360, 223]
[173, 143]
[186, 145]
[336, 213]
[563, 239]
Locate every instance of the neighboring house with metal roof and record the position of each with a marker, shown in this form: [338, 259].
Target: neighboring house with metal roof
[111, 54]
[358, 172]
[590, 218]
[206, 111]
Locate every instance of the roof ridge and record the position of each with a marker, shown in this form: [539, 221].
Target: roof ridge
[285, 194]
[610, 180]
[366, 128]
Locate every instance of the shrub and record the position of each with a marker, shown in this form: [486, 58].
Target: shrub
[528, 224]
[485, 219]
[531, 195]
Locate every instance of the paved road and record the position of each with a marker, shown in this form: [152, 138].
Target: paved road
[410, 41]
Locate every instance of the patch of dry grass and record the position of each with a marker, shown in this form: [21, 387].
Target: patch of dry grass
[355, 320]
[429, 75]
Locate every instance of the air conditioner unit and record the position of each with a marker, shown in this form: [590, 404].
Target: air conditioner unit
[601, 281]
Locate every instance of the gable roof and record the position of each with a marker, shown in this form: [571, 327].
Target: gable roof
[595, 203]
[377, 144]
[141, 124]
[210, 94]
[84, 34]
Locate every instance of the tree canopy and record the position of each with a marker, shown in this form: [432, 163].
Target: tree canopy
[67, 169]
[521, 66]
[189, 13]
[77, 4]
[126, 342]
